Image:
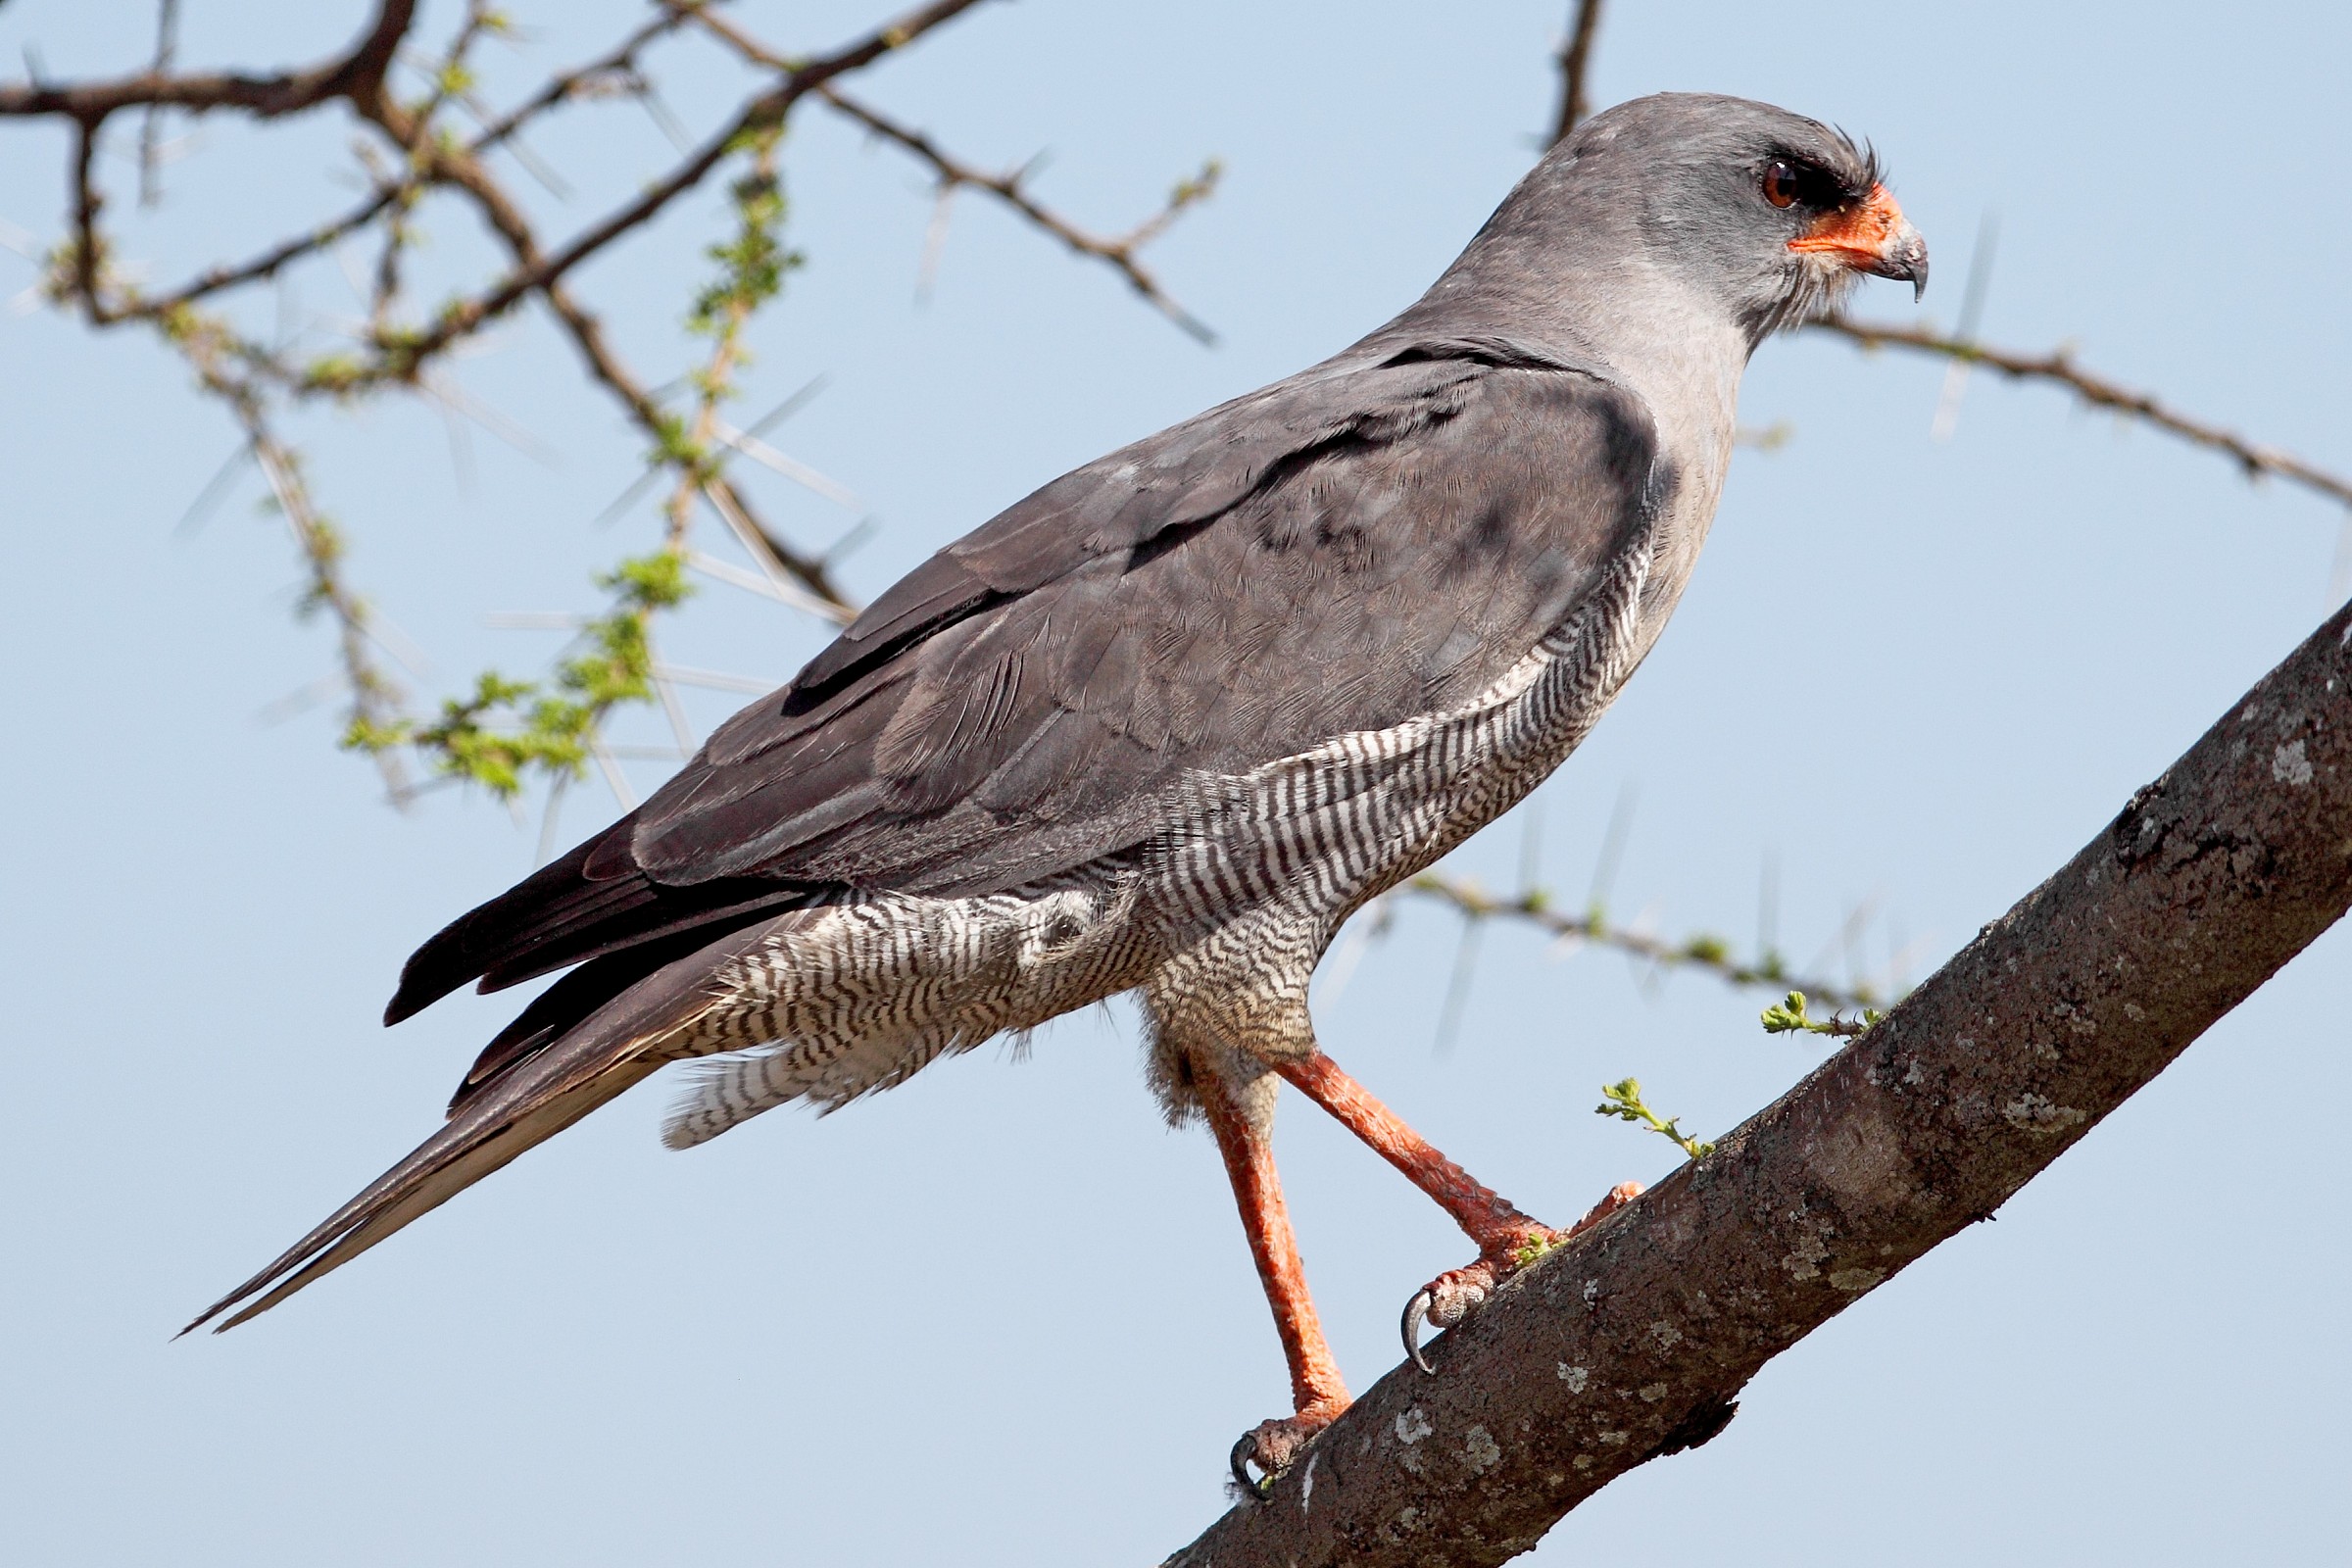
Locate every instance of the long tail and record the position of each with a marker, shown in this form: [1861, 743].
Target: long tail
[608, 1052]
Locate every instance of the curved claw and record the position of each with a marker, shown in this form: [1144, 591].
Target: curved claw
[1416, 1312]
[1242, 1452]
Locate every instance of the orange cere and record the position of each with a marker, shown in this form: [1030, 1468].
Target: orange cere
[1861, 233]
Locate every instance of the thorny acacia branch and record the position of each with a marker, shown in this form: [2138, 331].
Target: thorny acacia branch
[2058, 366]
[1539, 908]
[538, 272]
[359, 71]
[618, 67]
[422, 152]
[1711, 955]
[1120, 252]
[1634, 1340]
[372, 695]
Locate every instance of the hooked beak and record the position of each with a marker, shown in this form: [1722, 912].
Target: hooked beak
[1873, 237]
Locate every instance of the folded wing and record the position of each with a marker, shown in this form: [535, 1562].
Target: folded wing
[1341, 552]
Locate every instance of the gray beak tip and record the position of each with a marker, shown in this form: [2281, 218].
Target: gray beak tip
[1907, 260]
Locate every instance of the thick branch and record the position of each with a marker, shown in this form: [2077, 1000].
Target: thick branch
[1631, 1342]
[2059, 367]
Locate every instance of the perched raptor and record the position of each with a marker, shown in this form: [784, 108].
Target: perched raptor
[1164, 725]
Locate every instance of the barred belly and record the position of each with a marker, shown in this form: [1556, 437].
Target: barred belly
[1219, 918]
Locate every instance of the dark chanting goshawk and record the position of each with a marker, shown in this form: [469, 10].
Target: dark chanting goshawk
[1166, 723]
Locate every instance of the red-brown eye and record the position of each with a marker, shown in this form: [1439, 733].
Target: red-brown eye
[1780, 185]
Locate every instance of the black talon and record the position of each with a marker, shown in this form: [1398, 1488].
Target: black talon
[1416, 1312]
[1242, 1453]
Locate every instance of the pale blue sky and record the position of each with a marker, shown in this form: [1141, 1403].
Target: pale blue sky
[1001, 1316]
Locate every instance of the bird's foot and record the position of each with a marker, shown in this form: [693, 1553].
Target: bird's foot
[1504, 1251]
[1458, 1292]
[1271, 1445]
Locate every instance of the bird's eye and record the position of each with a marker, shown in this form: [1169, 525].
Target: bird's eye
[1780, 185]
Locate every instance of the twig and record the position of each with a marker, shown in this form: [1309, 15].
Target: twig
[1709, 953]
[372, 698]
[1788, 1016]
[166, 44]
[2059, 367]
[561, 89]
[445, 79]
[1623, 1101]
[466, 172]
[1576, 58]
[1118, 253]
[953, 174]
[580, 81]
[462, 317]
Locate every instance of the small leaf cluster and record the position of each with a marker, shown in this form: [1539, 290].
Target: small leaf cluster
[753, 261]
[1708, 948]
[1198, 187]
[505, 729]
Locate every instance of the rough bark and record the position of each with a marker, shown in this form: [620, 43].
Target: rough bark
[1632, 1342]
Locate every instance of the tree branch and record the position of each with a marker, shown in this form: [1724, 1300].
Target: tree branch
[951, 173]
[620, 62]
[1118, 253]
[361, 69]
[766, 110]
[1631, 1342]
[2059, 367]
[1713, 953]
[558, 90]
[1576, 58]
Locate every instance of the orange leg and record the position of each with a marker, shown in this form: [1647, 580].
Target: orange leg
[1317, 1392]
[1506, 1239]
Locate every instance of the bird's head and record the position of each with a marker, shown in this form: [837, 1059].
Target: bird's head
[1774, 215]
[1678, 213]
